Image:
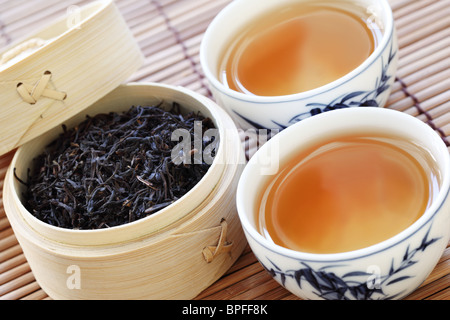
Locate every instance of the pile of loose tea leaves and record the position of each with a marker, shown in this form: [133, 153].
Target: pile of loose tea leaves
[113, 169]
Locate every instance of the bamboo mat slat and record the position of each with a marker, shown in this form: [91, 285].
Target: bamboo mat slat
[169, 33]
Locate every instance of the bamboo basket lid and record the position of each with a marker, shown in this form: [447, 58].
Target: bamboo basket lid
[62, 69]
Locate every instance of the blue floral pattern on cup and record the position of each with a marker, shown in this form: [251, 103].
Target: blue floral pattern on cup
[352, 99]
[354, 285]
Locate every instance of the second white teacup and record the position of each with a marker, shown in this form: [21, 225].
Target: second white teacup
[390, 269]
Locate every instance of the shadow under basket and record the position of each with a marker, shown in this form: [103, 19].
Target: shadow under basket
[173, 254]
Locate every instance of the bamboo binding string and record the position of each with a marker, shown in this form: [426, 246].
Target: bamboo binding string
[31, 94]
[210, 252]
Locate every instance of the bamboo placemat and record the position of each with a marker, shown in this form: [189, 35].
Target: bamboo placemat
[169, 33]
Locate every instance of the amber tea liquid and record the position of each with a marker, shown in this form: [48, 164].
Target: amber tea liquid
[347, 194]
[298, 48]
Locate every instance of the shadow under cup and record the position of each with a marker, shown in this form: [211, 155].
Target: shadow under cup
[428, 235]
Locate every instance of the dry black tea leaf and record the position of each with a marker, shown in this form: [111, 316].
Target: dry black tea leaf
[114, 168]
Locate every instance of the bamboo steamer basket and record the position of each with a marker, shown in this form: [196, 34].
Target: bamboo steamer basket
[173, 254]
[55, 73]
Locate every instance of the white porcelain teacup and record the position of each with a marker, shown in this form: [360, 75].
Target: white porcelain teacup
[367, 85]
[390, 269]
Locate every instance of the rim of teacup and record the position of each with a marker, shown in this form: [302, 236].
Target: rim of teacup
[215, 82]
[249, 172]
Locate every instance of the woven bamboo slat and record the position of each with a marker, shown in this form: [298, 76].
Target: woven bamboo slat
[169, 33]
